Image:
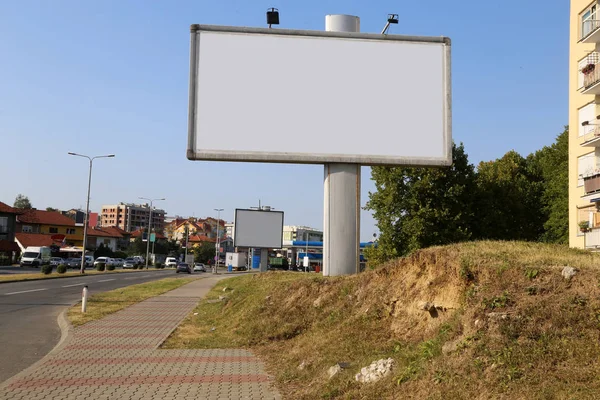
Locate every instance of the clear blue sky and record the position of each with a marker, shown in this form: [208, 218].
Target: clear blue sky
[111, 76]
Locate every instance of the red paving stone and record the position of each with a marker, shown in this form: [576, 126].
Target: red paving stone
[93, 362]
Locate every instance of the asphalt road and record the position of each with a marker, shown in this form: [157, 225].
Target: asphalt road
[29, 312]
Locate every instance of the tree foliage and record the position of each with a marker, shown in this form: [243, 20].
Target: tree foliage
[420, 207]
[511, 198]
[22, 201]
[204, 253]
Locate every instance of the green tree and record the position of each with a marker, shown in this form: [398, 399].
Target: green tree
[103, 251]
[204, 253]
[420, 207]
[553, 163]
[52, 209]
[22, 201]
[509, 198]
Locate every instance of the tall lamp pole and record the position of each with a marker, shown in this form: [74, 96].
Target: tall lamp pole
[149, 226]
[87, 205]
[218, 210]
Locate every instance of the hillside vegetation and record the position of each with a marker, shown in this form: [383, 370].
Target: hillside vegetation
[480, 320]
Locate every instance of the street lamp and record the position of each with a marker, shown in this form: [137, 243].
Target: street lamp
[87, 206]
[149, 226]
[218, 210]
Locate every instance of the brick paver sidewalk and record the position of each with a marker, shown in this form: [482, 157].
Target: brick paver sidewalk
[118, 358]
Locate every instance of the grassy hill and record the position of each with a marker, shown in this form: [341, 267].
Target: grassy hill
[468, 321]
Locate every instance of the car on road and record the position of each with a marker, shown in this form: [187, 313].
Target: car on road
[183, 267]
[171, 262]
[129, 263]
[56, 261]
[199, 268]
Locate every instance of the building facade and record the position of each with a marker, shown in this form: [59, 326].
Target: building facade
[301, 233]
[49, 223]
[131, 217]
[8, 221]
[584, 124]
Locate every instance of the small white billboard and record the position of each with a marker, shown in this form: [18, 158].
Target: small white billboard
[258, 229]
[273, 95]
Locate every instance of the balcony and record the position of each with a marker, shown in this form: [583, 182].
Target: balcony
[591, 183]
[591, 139]
[590, 31]
[591, 79]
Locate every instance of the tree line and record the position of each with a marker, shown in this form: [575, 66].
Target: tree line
[511, 198]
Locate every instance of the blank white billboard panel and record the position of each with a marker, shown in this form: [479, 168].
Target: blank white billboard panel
[270, 95]
[258, 229]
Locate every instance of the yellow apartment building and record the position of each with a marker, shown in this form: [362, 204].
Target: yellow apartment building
[584, 124]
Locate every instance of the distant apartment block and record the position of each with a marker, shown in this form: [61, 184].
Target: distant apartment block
[131, 217]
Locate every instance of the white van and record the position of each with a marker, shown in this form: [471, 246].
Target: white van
[171, 262]
[35, 256]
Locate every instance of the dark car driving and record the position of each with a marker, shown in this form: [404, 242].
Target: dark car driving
[183, 267]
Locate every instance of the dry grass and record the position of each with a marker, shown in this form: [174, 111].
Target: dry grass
[507, 325]
[55, 275]
[102, 304]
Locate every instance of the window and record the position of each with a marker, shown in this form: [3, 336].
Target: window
[588, 21]
[588, 113]
[585, 166]
[26, 229]
[3, 224]
[70, 231]
[53, 230]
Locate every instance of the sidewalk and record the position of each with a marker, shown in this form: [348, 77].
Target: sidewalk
[118, 358]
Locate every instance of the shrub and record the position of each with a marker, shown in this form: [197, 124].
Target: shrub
[61, 269]
[46, 269]
[100, 266]
[110, 267]
[158, 265]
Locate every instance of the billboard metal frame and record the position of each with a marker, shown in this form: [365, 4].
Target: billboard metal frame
[304, 158]
[236, 225]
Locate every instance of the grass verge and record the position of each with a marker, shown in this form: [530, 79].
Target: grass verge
[466, 321]
[55, 275]
[102, 304]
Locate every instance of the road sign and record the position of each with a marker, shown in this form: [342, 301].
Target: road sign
[153, 237]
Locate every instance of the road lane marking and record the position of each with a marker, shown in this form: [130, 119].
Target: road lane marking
[129, 278]
[25, 291]
[77, 284]
[106, 280]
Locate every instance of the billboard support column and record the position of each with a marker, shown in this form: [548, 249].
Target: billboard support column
[341, 208]
[264, 259]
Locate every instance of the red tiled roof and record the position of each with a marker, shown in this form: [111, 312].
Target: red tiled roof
[201, 238]
[138, 233]
[7, 245]
[105, 232]
[34, 239]
[44, 217]
[5, 208]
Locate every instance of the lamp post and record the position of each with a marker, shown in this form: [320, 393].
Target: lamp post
[149, 226]
[218, 210]
[87, 205]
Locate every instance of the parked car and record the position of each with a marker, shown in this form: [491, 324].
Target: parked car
[55, 261]
[129, 263]
[73, 262]
[183, 267]
[199, 268]
[89, 261]
[105, 260]
[171, 262]
[139, 260]
[118, 262]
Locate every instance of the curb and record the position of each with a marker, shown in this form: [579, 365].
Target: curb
[65, 332]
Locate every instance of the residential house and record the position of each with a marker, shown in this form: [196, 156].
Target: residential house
[141, 232]
[49, 223]
[79, 217]
[9, 250]
[176, 229]
[109, 237]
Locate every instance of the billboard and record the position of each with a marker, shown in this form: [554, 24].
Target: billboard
[272, 95]
[258, 229]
